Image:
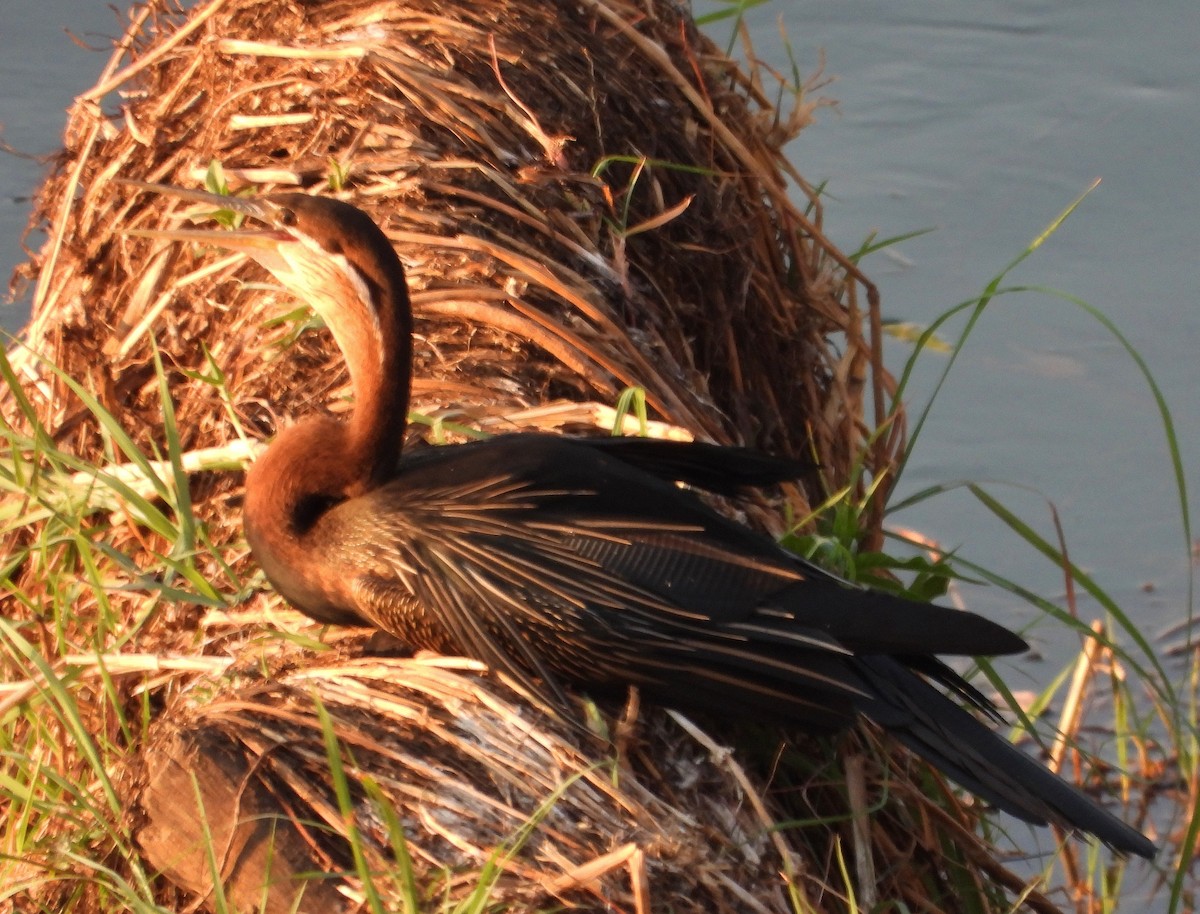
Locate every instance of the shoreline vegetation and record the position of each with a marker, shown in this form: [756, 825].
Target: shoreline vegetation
[601, 231]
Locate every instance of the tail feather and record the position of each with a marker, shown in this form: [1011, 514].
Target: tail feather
[822, 690]
[954, 741]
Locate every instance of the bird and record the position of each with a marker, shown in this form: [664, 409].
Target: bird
[590, 564]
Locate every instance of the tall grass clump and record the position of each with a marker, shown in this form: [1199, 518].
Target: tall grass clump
[1148, 721]
[73, 702]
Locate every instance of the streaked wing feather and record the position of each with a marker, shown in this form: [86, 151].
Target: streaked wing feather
[504, 590]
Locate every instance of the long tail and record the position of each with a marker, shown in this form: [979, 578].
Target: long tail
[953, 740]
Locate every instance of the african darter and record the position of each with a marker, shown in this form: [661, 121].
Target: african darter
[583, 562]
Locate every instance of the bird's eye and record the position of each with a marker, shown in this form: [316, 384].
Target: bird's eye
[287, 217]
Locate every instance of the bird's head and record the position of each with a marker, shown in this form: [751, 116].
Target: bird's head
[324, 251]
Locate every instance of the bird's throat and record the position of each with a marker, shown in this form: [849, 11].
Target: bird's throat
[380, 365]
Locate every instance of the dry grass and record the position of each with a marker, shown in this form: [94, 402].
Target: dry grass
[587, 196]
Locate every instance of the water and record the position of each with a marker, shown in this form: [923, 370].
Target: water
[984, 122]
[41, 70]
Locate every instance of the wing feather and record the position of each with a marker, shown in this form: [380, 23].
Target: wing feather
[558, 563]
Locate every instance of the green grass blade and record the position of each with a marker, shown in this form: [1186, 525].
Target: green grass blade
[410, 904]
[185, 543]
[1162, 682]
[977, 307]
[345, 801]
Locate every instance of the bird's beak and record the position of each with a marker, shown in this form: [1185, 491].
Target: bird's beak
[291, 257]
[261, 244]
[258, 209]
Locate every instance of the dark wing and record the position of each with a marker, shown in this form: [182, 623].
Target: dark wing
[516, 588]
[540, 554]
[645, 531]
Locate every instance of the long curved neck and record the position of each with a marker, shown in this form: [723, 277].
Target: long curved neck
[379, 358]
[320, 461]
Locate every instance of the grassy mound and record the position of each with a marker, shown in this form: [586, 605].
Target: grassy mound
[588, 197]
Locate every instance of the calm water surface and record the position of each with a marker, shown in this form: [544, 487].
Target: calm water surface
[41, 70]
[982, 121]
